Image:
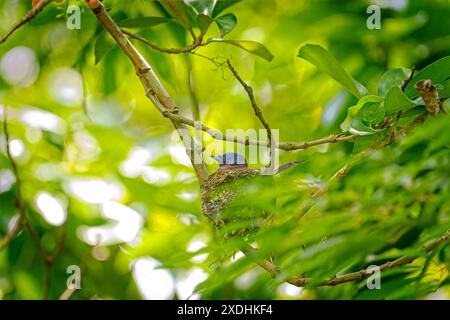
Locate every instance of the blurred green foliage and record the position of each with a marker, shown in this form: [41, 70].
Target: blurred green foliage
[84, 134]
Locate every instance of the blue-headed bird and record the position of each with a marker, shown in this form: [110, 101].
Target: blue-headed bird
[239, 199]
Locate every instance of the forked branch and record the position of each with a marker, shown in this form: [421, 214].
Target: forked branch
[154, 89]
[27, 18]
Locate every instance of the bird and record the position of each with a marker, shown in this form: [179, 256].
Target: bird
[239, 200]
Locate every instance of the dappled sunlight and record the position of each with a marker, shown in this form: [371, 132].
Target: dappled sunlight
[289, 290]
[153, 175]
[137, 165]
[124, 227]
[188, 219]
[95, 191]
[52, 209]
[246, 280]
[20, 67]
[178, 154]
[153, 283]
[17, 148]
[7, 179]
[102, 235]
[65, 86]
[36, 118]
[393, 4]
[194, 246]
[129, 221]
[108, 112]
[48, 171]
[104, 169]
[187, 281]
[138, 158]
[188, 196]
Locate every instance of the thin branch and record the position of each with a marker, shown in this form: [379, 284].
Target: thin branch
[342, 172]
[47, 259]
[340, 137]
[21, 221]
[11, 234]
[35, 237]
[365, 273]
[60, 245]
[27, 18]
[255, 106]
[337, 177]
[301, 281]
[195, 105]
[408, 80]
[47, 280]
[197, 43]
[186, 50]
[50, 260]
[152, 85]
[67, 294]
[216, 60]
[285, 146]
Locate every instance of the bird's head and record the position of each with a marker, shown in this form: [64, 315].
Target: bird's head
[230, 159]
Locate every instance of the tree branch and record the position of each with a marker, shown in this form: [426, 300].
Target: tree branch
[197, 43]
[340, 137]
[302, 281]
[408, 80]
[21, 221]
[365, 273]
[152, 85]
[27, 18]
[285, 146]
[342, 172]
[67, 294]
[255, 106]
[337, 177]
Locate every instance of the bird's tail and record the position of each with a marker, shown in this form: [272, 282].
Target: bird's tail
[288, 166]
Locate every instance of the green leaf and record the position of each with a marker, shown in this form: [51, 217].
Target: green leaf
[192, 15]
[253, 47]
[413, 112]
[396, 101]
[222, 5]
[143, 22]
[392, 78]
[325, 61]
[357, 126]
[179, 11]
[371, 112]
[226, 23]
[204, 22]
[353, 111]
[444, 89]
[109, 74]
[437, 72]
[103, 44]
